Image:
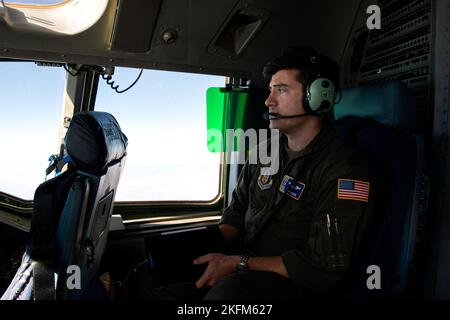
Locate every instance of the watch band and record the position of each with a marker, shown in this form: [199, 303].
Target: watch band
[242, 265]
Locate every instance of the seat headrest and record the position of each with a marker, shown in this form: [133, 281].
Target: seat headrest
[387, 102]
[94, 139]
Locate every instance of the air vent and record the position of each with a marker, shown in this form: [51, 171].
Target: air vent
[239, 29]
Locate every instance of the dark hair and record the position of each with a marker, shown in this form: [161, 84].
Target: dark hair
[300, 58]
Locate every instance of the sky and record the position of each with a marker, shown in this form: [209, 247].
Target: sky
[163, 116]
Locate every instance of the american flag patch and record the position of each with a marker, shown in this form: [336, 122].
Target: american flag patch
[353, 190]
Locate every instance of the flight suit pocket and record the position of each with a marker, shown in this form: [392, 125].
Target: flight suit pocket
[339, 259]
[327, 242]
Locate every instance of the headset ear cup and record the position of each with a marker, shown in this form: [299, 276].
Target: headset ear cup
[321, 95]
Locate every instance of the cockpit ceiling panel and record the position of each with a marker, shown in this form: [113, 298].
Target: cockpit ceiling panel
[229, 37]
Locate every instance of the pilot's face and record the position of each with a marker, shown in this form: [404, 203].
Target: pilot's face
[286, 99]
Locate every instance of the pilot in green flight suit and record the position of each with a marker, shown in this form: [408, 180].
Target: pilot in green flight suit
[300, 227]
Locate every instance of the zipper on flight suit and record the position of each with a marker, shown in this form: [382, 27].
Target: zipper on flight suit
[274, 205]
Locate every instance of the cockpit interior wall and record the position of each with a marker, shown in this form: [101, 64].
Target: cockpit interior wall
[438, 277]
[401, 49]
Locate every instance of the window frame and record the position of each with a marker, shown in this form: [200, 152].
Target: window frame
[130, 211]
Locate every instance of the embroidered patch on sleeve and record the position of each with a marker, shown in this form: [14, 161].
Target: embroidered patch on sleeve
[353, 190]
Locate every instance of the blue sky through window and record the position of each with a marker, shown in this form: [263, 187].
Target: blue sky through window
[164, 117]
[29, 124]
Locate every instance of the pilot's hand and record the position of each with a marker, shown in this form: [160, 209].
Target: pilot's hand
[219, 265]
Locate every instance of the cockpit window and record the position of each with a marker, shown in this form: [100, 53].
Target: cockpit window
[29, 124]
[35, 2]
[164, 118]
[65, 17]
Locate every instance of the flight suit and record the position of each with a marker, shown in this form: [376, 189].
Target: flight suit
[325, 198]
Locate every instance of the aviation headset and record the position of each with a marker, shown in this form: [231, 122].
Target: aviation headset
[321, 91]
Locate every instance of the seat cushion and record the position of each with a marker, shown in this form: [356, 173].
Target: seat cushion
[389, 103]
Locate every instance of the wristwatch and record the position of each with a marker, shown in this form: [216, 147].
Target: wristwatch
[242, 265]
